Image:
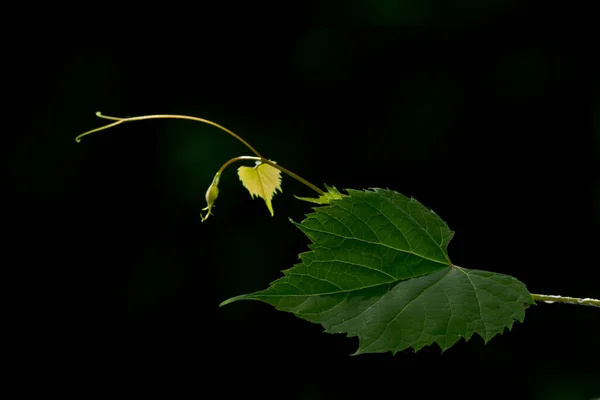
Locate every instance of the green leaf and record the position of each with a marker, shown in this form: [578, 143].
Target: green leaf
[262, 181]
[378, 268]
[325, 198]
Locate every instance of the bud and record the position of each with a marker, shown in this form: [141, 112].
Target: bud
[211, 195]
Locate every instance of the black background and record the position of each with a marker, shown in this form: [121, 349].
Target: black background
[485, 111]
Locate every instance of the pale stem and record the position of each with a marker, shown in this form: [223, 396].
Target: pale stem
[163, 116]
[293, 175]
[240, 158]
[173, 116]
[275, 165]
[567, 300]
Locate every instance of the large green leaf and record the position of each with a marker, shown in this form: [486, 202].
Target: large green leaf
[379, 269]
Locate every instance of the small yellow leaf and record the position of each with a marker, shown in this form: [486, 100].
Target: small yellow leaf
[262, 181]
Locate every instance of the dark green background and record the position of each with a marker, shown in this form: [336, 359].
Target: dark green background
[485, 111]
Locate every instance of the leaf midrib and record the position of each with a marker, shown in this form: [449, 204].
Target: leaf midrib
[376, 244]
[415, 222]
[250, 296]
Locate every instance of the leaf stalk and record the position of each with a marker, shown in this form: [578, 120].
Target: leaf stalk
[567, 300]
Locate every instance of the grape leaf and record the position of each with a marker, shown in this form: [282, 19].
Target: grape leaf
[262, 181]
[378, 268]
[326, 198]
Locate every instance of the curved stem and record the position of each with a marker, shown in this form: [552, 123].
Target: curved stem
[293, 175]
[567, 300]
[240, 158]
[163, 116]
[78, 138]
[174, 116]
[275, 165]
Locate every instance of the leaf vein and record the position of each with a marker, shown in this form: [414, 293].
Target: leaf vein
[359, 265]
[375, 244]
[411, 301]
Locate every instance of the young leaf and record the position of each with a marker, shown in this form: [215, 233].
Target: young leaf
[325, 198]
[378, 269]
[262, 180]
[211, 196]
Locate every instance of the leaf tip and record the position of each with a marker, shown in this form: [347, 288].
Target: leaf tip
[232, 300]
[358, 352]
[270, 207]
